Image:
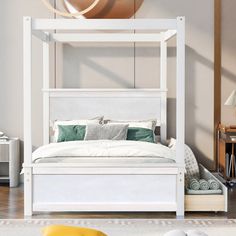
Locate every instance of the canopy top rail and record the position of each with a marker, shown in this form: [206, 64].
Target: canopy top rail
[105, 24]
[167, 27]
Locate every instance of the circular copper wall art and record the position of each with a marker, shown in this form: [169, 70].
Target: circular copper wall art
[70, 14]
[97, 8]
[105, 8]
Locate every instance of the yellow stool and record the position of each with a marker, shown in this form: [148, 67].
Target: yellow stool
[61, 230]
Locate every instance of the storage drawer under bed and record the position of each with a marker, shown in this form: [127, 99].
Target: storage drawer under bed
[216, 202]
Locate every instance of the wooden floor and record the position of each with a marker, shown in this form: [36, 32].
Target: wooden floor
[11, 207]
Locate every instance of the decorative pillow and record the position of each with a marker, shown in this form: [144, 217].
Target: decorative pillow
[139, 130]
[148, 124]
[140, 134]
[107, 131]
[71, 132]
[96, 120]
[191, 164]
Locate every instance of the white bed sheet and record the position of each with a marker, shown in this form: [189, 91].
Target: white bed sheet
[104, 151]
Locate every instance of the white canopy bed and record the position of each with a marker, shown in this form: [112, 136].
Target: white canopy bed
[97, 184]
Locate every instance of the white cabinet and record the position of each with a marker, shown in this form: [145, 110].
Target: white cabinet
[10, 161]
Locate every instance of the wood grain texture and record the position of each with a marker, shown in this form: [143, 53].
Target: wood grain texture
[217, 72]
[204, 202]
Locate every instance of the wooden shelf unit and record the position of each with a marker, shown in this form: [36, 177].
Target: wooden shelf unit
[10, 161]
[226, 145]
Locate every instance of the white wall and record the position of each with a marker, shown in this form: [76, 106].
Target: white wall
[199, 70]
[11, 56]
[228, 114]
[115, 67]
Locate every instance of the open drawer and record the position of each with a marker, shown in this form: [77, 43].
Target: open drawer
[214, 202]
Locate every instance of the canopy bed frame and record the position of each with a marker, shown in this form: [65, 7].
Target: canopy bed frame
[51, 186]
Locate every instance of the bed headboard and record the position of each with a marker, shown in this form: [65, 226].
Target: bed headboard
[121, 104]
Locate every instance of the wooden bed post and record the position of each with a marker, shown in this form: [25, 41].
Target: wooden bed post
[46, 76]
[163, 86]
[180, 112]
[27, 52]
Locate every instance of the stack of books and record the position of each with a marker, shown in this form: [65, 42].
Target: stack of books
[230, 161]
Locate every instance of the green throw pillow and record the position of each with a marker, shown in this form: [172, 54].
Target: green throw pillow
[140, 134]
[71, 132]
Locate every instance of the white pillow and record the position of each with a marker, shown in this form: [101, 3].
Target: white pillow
[97, 120]
[148, 124]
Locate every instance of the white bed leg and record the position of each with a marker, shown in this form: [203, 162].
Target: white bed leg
[180, 194]
[28, 199]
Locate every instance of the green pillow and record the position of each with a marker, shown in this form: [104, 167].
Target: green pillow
[71, 132]
[140, 134]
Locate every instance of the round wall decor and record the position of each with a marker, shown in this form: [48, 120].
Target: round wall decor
[111, 9]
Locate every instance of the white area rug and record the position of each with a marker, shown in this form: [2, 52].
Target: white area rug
[121, 227]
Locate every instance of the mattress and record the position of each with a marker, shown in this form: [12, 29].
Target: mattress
[104, 152]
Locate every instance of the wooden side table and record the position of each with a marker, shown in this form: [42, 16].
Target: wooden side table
[10, 161]
[226, 141]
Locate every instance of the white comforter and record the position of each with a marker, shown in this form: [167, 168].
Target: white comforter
[103, 148]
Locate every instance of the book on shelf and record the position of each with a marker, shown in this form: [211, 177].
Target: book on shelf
[234, 165]
[230, 165]
[227, 161]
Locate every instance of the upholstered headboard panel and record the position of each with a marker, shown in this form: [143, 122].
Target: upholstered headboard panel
[122, 104]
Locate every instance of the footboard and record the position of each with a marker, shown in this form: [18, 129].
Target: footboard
[107, 189]
[104, 192]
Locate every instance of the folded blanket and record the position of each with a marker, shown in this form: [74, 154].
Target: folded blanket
[213, 184]
[204, 185]
[194, 184]
[203, 192]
